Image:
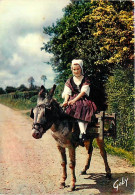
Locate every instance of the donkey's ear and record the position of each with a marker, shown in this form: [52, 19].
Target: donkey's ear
[52, 90]
[42, 90]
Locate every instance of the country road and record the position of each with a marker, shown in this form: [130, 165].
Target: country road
[32, 167]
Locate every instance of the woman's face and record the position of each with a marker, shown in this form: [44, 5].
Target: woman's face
[76, 70]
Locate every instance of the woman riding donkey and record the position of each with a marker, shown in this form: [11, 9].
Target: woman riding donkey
[76, 96]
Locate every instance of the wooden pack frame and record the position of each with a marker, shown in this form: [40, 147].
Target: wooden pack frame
[106, 126]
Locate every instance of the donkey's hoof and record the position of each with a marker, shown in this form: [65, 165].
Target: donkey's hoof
[108, 175]
[72, 188]
[83, 173]
[62, 185]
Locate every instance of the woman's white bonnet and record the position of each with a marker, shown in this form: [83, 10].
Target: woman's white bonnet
[80, 62]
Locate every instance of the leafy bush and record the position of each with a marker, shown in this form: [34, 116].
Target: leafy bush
[10, 89]
[33, 99]
[2, 91]
[21, 95]
[119, 89]
[58, 92]
[20, 100]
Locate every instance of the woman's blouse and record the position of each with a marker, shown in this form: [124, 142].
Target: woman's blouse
[81, 87]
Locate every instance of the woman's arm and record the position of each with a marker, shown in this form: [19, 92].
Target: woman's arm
[65, 103]
[81, 94]
[66, 94]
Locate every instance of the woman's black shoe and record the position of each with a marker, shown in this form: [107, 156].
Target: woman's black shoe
[84, 138]
[81, 143]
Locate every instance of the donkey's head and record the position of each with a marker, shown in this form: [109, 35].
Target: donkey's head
[42, 113]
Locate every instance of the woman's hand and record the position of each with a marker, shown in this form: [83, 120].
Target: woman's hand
[65, 103]
[71, 102]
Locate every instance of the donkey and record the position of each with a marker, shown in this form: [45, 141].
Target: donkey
[49, 115]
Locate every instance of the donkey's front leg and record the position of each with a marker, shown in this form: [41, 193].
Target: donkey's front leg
[100, 143]
[63, 164]
[72, 167]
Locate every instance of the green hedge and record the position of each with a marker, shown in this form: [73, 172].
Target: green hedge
[21, 95]
[20, 100]
[119, 89]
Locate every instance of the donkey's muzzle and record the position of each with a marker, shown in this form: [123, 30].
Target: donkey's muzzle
[36, 131]
[36, 134]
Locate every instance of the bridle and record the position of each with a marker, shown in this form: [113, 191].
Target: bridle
[37, 124]
[45, 125]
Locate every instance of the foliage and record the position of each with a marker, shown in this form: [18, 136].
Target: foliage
[31, 82]
[113, 33]
[22, 88]
[64, 38]
[34, 99]
[20, 100]
[2, 91]
[10, 89]
[68, 43]
[44, 78]
[120, 100]
[58, 92]
[20, 95]
[123, 5]
[100, 33]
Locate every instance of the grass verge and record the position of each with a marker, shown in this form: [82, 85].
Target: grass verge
[20, 104]
[129, 156]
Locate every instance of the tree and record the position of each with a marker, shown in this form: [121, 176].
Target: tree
[31, 82]
[98, 33]
[64, 38]
[22, 88]
[2, 91]
[44, 78]
[10, 89]
[113, 33]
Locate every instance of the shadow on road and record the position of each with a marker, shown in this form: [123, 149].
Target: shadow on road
[120, 183]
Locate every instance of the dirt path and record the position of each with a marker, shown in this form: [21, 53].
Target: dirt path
[32, 167]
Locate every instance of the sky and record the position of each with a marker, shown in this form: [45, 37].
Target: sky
[21, 37]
